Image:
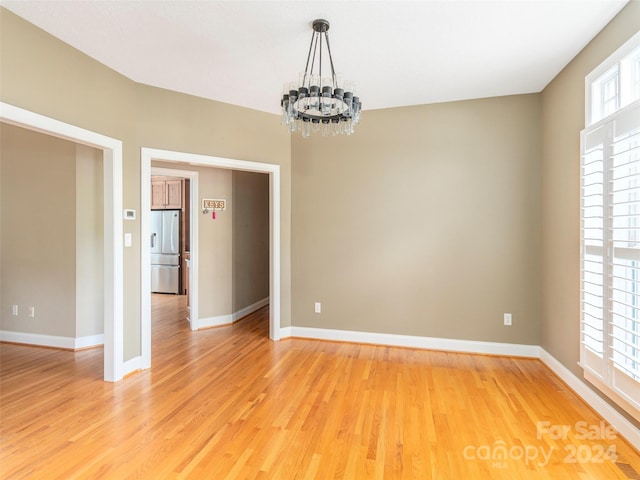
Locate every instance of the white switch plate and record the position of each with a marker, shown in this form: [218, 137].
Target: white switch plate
[14, 310]
[317, 307]
[128, 241]
[32, 312]
[507, 319]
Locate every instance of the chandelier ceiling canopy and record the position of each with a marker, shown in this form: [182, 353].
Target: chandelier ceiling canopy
[321, 100]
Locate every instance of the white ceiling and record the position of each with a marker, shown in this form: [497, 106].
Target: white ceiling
[399, 52]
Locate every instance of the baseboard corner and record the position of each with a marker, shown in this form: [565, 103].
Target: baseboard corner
[624, 427]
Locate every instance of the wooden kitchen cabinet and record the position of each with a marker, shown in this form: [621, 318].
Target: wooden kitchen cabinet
[174, 194]
[157, 193]
[166, 193]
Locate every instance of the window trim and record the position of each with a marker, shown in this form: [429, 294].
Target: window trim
[611, 393]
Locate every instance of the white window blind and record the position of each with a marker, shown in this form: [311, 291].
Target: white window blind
[610, 255]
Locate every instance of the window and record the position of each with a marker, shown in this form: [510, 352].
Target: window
[614, 84]
[634, 66]
[610, 229]
[606, 98]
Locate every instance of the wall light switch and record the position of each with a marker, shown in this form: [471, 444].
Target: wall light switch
[128, 240]
[318, 307]
[507, 319]
[14, 310]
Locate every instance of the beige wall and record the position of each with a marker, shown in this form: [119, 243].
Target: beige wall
[425, 222]
[563, 118]
[215, 246]
[250, 238]
[39, 234]
[52, 255]
[42, 74]
[89, 244]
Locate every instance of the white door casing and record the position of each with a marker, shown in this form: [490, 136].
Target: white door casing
[149, 154]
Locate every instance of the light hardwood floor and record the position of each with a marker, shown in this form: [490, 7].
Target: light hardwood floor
[229, 403]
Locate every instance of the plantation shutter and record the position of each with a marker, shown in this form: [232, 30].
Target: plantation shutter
[610, 253]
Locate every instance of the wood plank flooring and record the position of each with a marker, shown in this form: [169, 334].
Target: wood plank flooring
[227, 403]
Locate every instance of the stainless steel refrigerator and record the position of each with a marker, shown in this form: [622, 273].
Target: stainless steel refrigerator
[165, 251]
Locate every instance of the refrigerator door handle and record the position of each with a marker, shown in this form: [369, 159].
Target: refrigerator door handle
[153, 240]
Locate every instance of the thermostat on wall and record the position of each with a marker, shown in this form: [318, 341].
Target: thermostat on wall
[129, 215]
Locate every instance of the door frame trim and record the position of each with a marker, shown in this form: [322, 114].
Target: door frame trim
[147, 155]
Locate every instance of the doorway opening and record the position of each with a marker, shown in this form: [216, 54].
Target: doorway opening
[113, 229]
[147, 156]
[171, 244]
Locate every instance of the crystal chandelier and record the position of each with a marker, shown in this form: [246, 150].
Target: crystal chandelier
[320, 101]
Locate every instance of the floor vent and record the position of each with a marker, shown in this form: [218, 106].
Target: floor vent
[629, 471]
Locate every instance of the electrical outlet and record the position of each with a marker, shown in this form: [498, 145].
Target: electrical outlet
[507, 319]
[318, 307]
[32, 312]
[14, 310]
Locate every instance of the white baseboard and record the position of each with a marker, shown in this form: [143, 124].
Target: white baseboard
[132, 365]
[250, 309]
[52, 341]
[228, 319]
[209, 322]
[89, 341]
[430, 343]
[285, 332]
[606, 411]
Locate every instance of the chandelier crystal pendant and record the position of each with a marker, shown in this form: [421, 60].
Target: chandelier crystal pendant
[320, 101]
